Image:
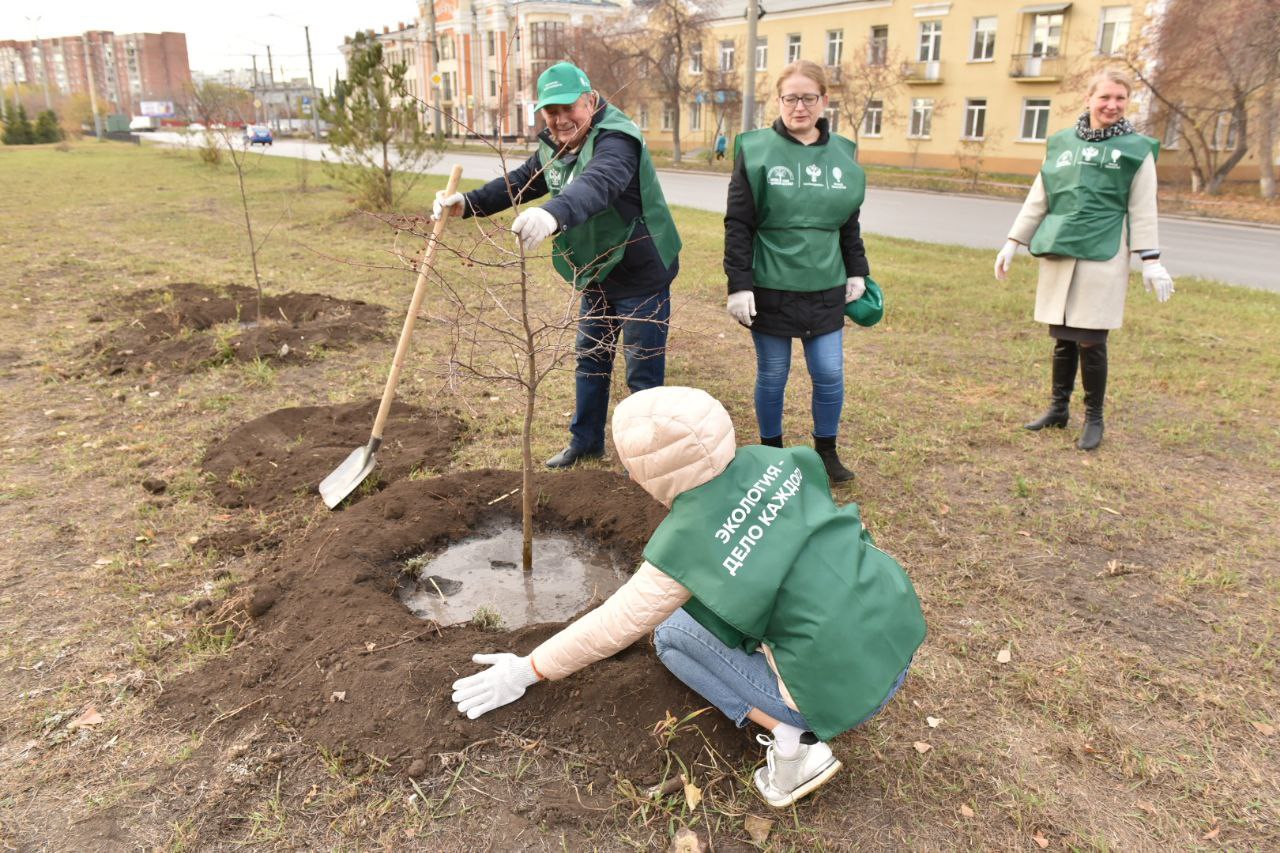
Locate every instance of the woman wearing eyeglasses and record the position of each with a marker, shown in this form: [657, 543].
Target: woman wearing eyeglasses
[793, 253]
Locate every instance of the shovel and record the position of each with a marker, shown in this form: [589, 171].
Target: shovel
[351, 473]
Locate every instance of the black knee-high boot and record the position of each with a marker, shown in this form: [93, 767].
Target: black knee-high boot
[775, 441]
[1065, 358]
[1093, 375]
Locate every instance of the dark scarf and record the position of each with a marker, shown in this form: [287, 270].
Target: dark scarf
[1088, 134]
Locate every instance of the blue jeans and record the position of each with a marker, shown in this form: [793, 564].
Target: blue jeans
[732, 680]
[824, 356]
[641, 322]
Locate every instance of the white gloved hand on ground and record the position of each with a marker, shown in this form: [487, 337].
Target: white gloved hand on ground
[1156, 277]
[1004, 259]
[854, 287]
[452, 202]
[501, 684]
[532, 226]
[742, 306]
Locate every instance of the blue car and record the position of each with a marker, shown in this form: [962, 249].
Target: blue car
[257, 134]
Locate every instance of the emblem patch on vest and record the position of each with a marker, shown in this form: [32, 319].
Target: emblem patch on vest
[1114, 163]
[837, 178]
[814, 173]
[780, 176]
[1065, 159]
[1089, 155]
[554, 177]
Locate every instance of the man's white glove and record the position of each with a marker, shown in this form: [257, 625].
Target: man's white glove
[742, 306]
[854, 287]
[1004, 259]
[532, 226]
[501, 684]
[452, 203]
[1156, 277]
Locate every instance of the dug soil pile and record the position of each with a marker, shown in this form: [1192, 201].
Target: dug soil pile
[284, 455]
[188, 326]
[331, 653]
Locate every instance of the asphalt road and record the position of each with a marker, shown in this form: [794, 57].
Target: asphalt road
[1236, 254]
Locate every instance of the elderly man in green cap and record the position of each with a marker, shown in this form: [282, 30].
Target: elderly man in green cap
[615, 240]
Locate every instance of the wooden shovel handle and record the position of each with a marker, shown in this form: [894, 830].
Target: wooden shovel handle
[419, 290]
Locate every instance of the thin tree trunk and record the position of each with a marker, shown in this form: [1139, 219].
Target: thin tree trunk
[526, 432]
[1267, 141]
[248, 227]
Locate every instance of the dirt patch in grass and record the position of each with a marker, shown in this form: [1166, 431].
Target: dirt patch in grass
[285, 454]
[329, 651]
[188, 326]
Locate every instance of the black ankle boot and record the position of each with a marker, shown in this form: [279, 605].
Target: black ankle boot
[776, 441]
[826, 448]
[1093, 375]
[1065, 357]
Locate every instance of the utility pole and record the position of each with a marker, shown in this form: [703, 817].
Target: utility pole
[271, 82]
[93, 88]
[749, 72]
[254, 90]
[311, 74]
[435, 69]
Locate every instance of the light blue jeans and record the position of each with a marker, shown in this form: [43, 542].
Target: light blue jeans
[732, 680]
[824, 356]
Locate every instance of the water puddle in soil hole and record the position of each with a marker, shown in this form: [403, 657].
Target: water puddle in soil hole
[484, 572]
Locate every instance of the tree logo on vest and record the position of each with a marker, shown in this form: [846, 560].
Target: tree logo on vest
[1116, 154]
[1090, 154]
[837, 178]
[780, 176]
[1064, 159]
[813, 172]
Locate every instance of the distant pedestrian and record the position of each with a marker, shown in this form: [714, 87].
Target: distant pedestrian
[722, 145]
[1092, 204]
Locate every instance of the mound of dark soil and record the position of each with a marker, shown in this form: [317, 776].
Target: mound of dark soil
[285, 454]
[332, 653]
[187, 326]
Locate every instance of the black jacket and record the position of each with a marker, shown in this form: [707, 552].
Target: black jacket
[611, 179]
[785, 313]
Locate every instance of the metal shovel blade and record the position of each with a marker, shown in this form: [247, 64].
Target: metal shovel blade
[351, 473]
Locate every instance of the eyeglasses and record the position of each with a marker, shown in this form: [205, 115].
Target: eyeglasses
[808, 100]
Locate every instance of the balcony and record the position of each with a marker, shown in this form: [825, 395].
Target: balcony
[1033, 68]
[929, 72]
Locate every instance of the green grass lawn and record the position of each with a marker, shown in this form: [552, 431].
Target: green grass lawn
[1136, 588]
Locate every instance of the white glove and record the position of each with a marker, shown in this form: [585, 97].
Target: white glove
[1155, 276]
[854, 287]
[453, 203]
[501, 684]
[1004, 259]
[742, 306]
[532, 226]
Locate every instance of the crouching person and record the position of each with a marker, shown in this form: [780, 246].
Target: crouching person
[765, 597]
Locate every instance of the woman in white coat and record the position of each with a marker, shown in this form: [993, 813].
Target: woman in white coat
[1092, 205]
[762, 594]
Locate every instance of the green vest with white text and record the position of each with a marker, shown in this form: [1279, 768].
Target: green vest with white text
[770, 558]
[1087, 186]
[588, 252]
[803, 194]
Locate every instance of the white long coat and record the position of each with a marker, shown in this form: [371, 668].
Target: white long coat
[1090, 294]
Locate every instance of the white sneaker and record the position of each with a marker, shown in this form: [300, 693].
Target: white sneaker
[782, 781]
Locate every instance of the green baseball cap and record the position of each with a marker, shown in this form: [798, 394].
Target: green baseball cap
[562, 83]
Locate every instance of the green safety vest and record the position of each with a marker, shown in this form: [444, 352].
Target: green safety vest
[803, 194]
[587, 253]
[770, 558]
[1087, 184]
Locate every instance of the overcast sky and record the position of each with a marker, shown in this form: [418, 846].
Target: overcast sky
[220, 34]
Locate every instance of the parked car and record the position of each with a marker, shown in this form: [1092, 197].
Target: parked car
[257, 134]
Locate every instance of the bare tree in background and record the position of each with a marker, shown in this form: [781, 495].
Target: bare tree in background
[871, 79]
[669, 32]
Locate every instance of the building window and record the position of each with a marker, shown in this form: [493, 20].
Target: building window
[446, 48]
[668, 116]
[695, 116]
[644, 117]
[1113, 34]
[695, 59]
[921, 118]
[493, 84]
[546, 39]
[793, 47]
[984, 39]
[726, 55]
[1225, 132]
[832, 115]
[490, 46]
[762, 54]
[835, 47]
[1046, 34]
[873, 119]
[1035, 119]
[1172, 132]
[878, 46]
[975, 118]
[930, 41]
